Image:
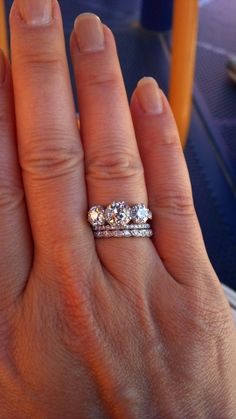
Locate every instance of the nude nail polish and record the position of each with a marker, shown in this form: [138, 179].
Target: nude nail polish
[35, 12]
[89, 33]
[149, 96]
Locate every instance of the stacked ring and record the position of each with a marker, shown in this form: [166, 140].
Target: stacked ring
[120, 220]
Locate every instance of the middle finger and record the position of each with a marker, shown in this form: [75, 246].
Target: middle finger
[114, 170]
[50, 150]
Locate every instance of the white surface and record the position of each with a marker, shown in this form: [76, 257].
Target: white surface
[231, 297]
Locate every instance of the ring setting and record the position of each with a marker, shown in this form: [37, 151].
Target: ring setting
[119, 219]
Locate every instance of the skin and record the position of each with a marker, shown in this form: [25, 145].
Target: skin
[118, 328]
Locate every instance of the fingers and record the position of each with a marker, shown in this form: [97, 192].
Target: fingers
[113, 166]
[50, 150]
[177, 233]
[15, 236]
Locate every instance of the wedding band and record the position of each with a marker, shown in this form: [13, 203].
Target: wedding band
[122, 233]
[127, 227]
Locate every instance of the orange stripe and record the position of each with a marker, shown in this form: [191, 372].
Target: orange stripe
[185, 32]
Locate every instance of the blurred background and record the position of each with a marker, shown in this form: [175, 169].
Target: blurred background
[185, 45]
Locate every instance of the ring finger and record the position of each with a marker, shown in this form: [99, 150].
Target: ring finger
[113, 164]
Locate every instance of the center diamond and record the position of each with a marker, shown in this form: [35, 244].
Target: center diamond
[118, 213]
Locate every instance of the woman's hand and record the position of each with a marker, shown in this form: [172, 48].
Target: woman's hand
[118, 328]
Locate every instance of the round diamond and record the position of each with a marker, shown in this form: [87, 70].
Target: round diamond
[118, 233]
[140, 214]
[96, 216]
[118, 213]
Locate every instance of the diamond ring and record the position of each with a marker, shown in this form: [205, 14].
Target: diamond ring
[120, 220]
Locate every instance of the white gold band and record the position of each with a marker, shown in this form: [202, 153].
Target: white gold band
[127, 227]
[122, 233]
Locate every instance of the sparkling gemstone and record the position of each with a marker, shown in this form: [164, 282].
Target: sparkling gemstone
[97, 234]
[96, 216]
[118, 213]
[118, 233]
[140, 214]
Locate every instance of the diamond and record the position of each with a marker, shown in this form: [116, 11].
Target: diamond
[118, 214]
[149, 233]
[96, 216]
[118, 233]
[140, 214]
[150, 215]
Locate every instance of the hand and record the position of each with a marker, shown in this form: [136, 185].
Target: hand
[118, 328]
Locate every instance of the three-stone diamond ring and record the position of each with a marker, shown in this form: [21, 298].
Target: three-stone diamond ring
[120, 220]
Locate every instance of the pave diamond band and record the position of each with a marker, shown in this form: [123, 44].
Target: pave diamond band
[120, 220]
[127, 227]
[123, 233]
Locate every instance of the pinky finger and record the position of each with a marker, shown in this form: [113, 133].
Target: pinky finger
[178, 237]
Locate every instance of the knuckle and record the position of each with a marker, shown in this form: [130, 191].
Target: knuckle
[212, 323]
[37, 47]
[170, 138]
[177, 202]
[46, 157]
[98, 79]
[112, 164]
[40, 45]
[211, 317]
[43, 62]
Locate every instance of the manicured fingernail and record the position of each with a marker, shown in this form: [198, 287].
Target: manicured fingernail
[149, 96]
[35, 12]
[2, 68]
[89, 33]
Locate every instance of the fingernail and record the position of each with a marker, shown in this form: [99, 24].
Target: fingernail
[36, 12]
[149, 96]
[2, 68]
[89, 33]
